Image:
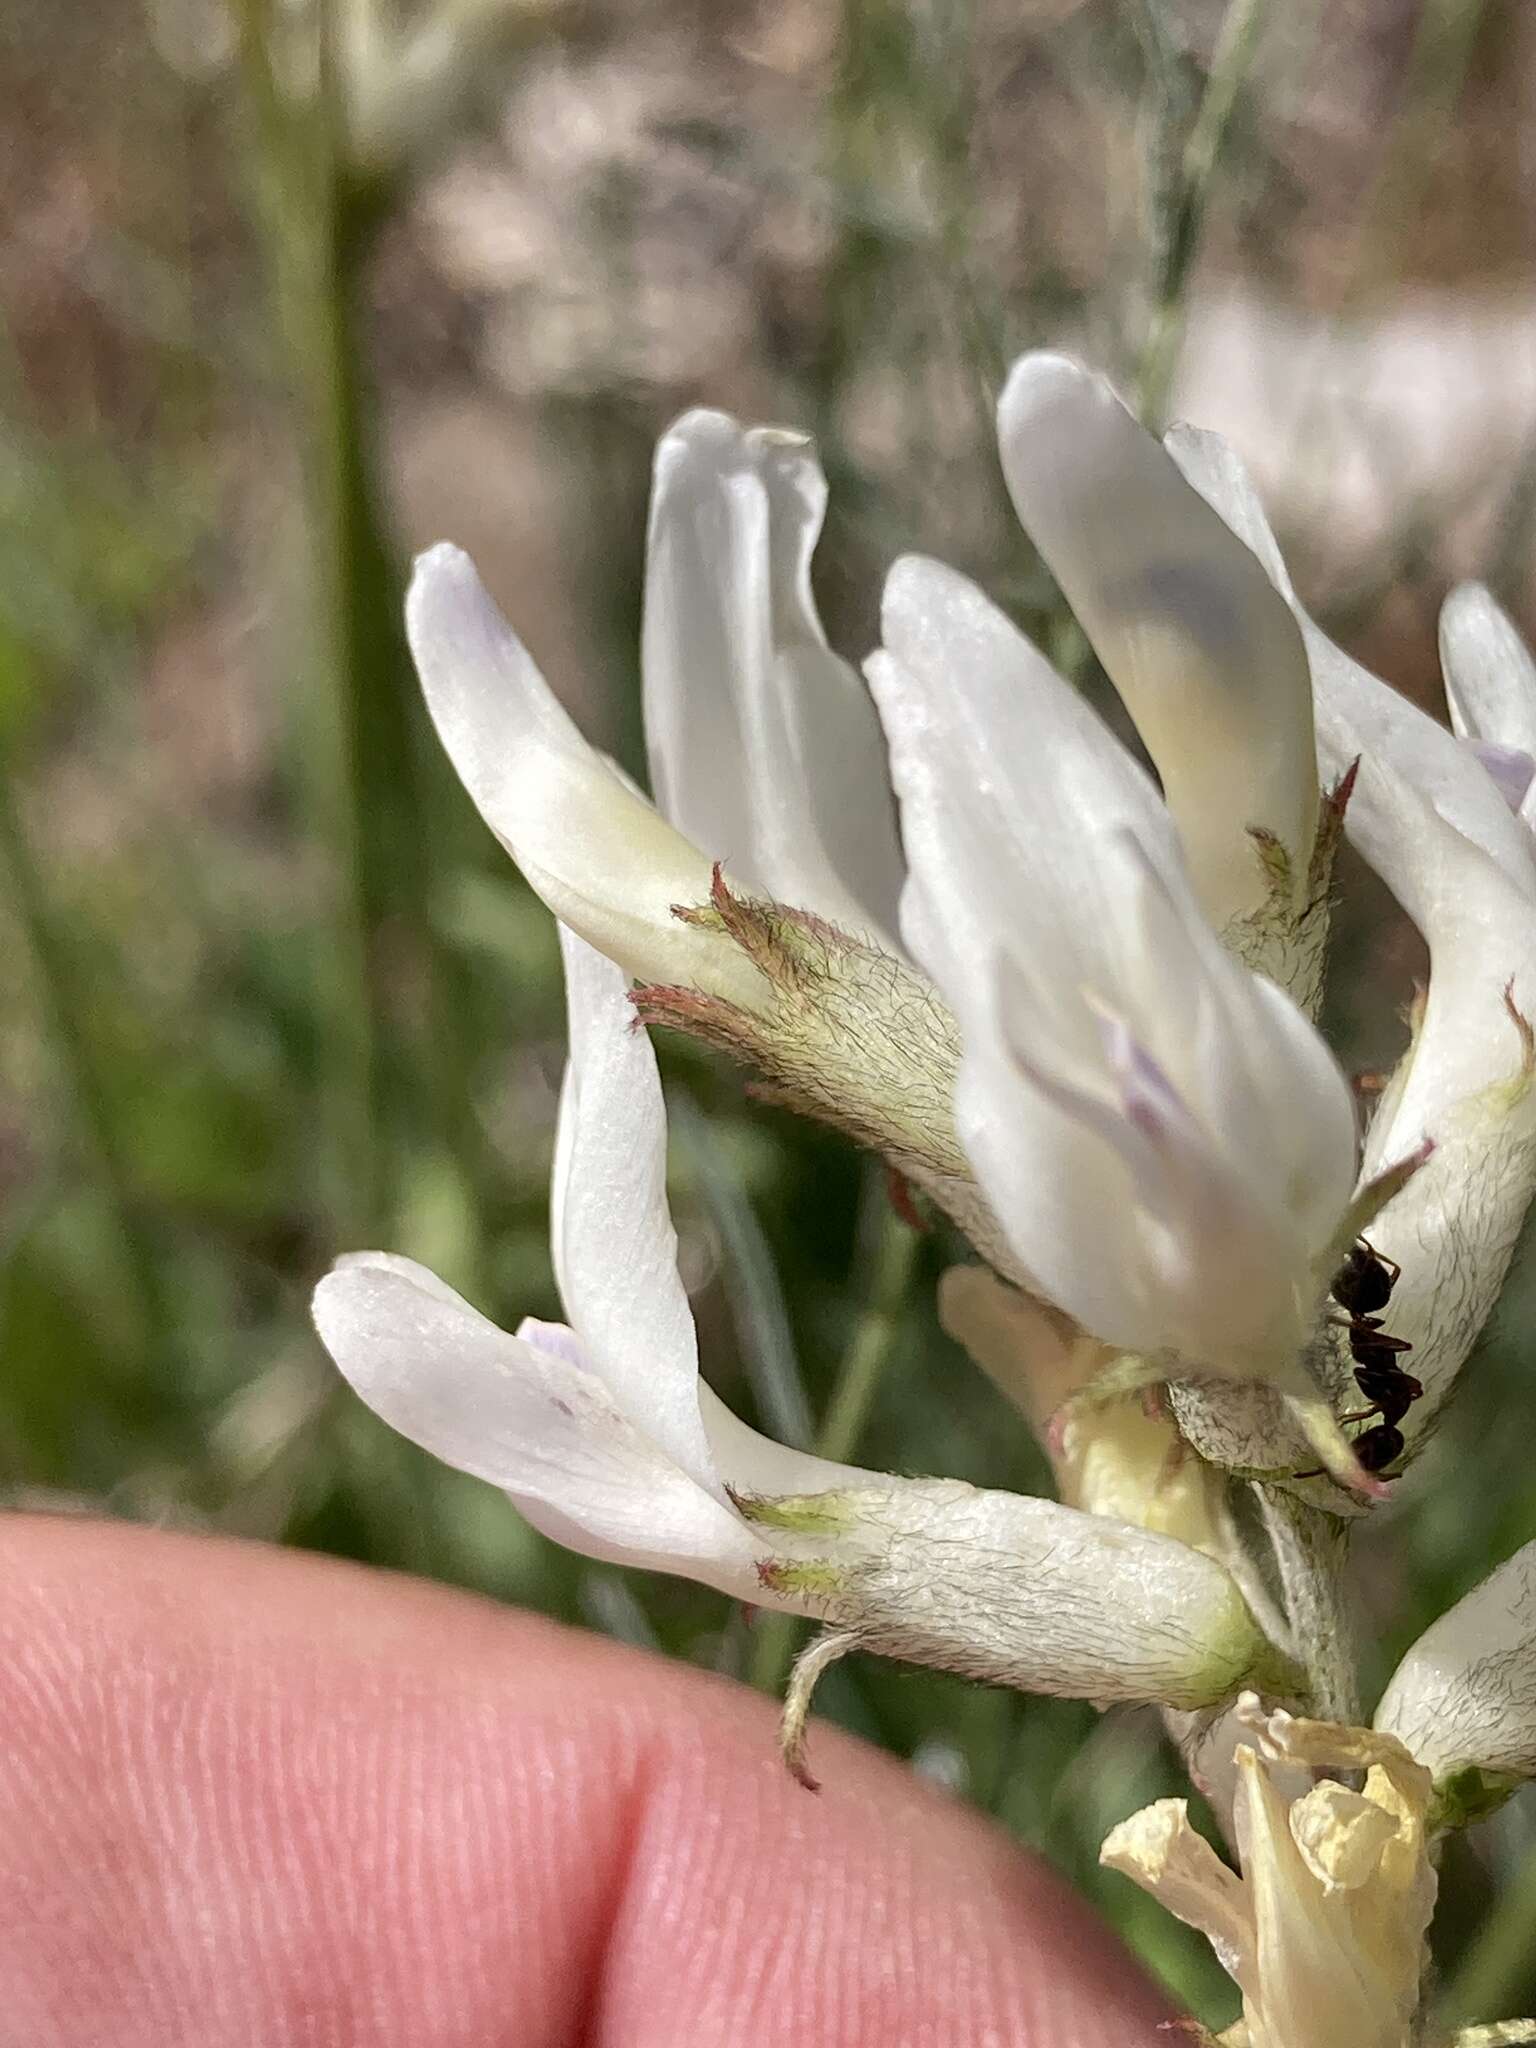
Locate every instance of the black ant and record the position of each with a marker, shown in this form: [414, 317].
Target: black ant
[1362, 1286]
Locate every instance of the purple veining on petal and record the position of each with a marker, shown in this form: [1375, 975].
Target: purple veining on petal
[556, 1340]
[1510, 768]
[1151, 1102]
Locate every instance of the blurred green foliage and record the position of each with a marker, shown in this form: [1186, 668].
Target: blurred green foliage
[275, 994]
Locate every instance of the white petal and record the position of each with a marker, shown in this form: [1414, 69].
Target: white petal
[1020, 1591]
[1490, 678]
[764, 746]
[597, 853]
[1359, 717]
[751, 1463]
[1213, 467]
[1064, 1199]
[1481, 932]
[967, 868]
[1465, 1694]
[1007, 780]
[1040, 829]
[529, 1417]
[1240, 1053]
[614, 1246]
[1208, 1244]
[1189, 627]
[1035, 840]
[1434, 826]
[1512, 771]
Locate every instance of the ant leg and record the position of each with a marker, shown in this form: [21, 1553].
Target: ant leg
[1396, 1270]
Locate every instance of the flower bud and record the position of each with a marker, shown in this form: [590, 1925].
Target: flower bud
[1464, 1697]
[1025, 1592]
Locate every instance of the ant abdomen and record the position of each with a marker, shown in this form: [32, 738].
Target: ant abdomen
[1377, 1447]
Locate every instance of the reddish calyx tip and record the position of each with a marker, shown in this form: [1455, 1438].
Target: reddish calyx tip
[1368, 1484]
[899, 1191]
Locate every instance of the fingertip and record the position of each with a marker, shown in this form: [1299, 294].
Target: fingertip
[248, 1795]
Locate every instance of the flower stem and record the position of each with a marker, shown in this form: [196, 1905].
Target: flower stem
[858, 1378]
[1311, 1550]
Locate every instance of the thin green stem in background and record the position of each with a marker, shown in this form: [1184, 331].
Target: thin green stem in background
[295, 176]
[1183, 180]
[858, 1380]
[858, 1376]
[362, 772]
[64, 1002]
[758, 1310]
[1495, 1971]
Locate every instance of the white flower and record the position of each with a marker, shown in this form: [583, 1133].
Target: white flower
[1439, 831]
[1464, 1697]
[607, 1440]
[1324, 1932]
[765, 750]
[1165, 1140]
[764, 746]
[1192, 633]
[594, 849]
